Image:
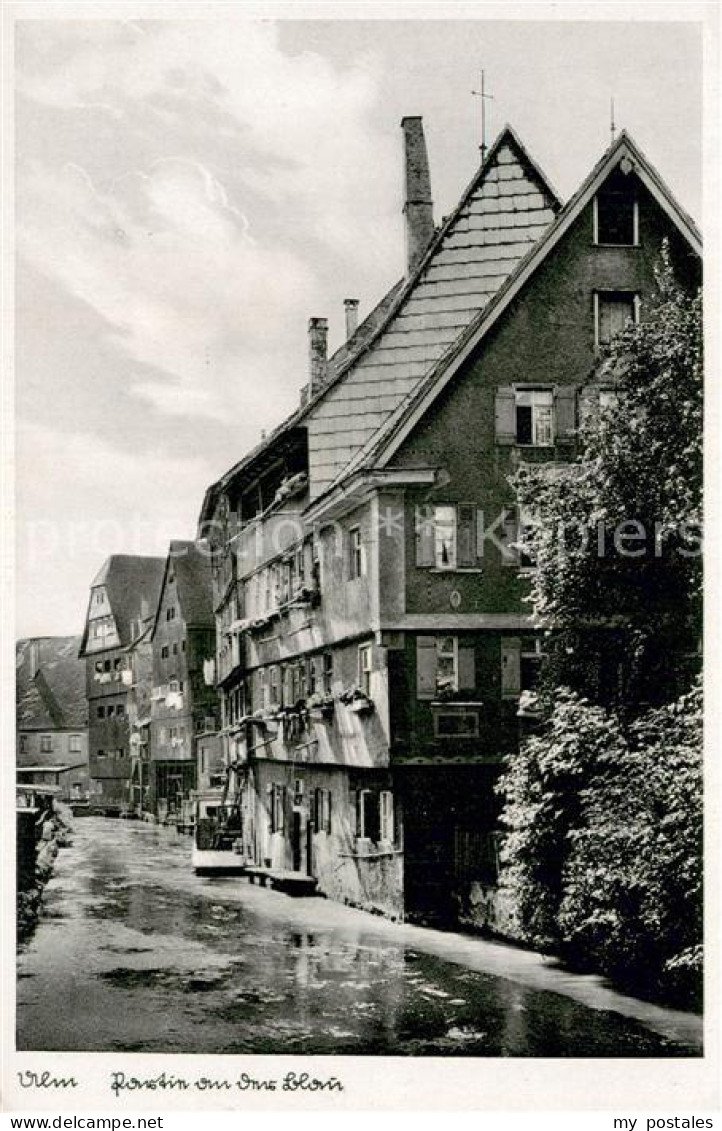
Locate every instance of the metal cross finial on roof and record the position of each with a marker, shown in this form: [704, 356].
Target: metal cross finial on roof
[611, 116]
[483, 96]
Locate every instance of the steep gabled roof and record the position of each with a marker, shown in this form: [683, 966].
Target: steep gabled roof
[192, 571]
[503, 211]
[132, 584]
[386, 441]
[50, 684]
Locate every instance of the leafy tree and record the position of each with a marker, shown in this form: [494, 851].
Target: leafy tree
[616, 537]
[542, 789]
[602, 804]
[632, 903]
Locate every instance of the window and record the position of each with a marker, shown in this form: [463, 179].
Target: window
[46, 743]
[100, 755]
[613, 311]
[456, 724]
[616, 215]
[183, 645]
[120, 710]
[364, 668]
[119, 754]
[164, 652]
[386, 816]
[356, 556]
[98, 667]
[444, 665]
[170, 613]
[367, 815]
[327, 672]
[322, 810]
[446, 536]
[535, 417]
[106, 666]
[23, 744]
[175, 649]
[117, 664]
[100, 712]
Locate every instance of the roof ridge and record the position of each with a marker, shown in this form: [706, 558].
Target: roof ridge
[496, 304]
[406, 288]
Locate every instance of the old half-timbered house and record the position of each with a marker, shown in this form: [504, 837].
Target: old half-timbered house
[303, 579]
[183, 707]
[373, 644]
[123, 599]
[453, 637]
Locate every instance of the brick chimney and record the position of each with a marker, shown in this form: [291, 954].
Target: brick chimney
[317, 353]
[351, 308]
[418, 207]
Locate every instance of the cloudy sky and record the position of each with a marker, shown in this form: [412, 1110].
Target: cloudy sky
[189, 193]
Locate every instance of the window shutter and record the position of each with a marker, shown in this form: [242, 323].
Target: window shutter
[271, 808]
[510, 667]
[467, 668]
[425, 667]
[565, 405]
[329, 795]
[386, 802]
[511, 536]
[481, 520]
[425, 536]
[588, 402]
[355, 800]
[505, 415]
[465, 521]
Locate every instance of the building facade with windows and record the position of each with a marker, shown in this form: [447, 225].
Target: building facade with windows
[123, 600]
[184, 715]
[375, 655]
[51, 715]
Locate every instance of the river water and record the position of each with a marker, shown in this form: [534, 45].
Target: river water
[135, 953]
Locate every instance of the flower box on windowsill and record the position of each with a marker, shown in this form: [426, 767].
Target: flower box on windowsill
[322, 710]
[359, 703]
[528, 705]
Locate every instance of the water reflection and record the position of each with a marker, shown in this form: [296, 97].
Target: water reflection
[135, 953]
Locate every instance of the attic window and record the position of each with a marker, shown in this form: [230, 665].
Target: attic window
[616, 215]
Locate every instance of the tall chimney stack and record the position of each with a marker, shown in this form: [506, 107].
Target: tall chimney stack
[317, 353]
[351, 307]
[418, 206]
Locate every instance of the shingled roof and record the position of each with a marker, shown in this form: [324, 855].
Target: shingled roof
[503, 212]
[192, 570]
[382, 445]
[132, 584]
[50, 684]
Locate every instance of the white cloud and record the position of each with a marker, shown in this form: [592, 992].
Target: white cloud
[173, 271]
[204, 252]
[73, 513]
